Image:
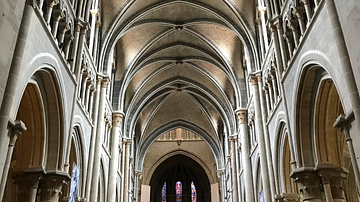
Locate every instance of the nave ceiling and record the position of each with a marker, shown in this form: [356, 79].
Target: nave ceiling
[178, 60]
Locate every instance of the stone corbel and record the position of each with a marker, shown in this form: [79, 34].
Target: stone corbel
[309, 182]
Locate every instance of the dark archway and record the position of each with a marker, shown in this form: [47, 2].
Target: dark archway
[184, 169]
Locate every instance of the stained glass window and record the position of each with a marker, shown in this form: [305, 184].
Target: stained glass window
[178, 188]
[193, 192]
[163, 193]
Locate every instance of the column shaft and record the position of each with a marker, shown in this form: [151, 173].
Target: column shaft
[262, 146]
[234, 170]
[245, 151]
[11, 84]
[267, 139]
[115, 136]
[93, 139]
[127, 169]
[98, 142]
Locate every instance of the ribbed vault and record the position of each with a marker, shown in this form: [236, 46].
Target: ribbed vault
[178, 60]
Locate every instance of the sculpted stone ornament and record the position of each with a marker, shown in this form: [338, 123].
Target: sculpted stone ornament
[310, 183]
[117, 117]
[242, 116]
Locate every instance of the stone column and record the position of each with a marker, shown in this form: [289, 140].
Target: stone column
[273, 78]
[83, 78]
[288, 39]
[28, 184]
[11, 85]
[51, 4]
[17, 127]
[245, 152]
[261, 37]
[126, 171]
[272, 178]
[58, 15]
[91, 106]
[325, 180]
[262, 16]
[279, 64]
[93, 139]
[115, 136]
[266, 91]
[80, 49]
[138, 178]
[342, 123]
[261, 138]
[293, 25]
[77, 30]
[307, 10]
[94, 13]
[221, 177]
[271, 94]
[87, 96]
[63, 27]
[97, 26]
[309, 183]
[98, 142]
[51, 186]
[233, 169]
[348, 74]
[68, 39]
[297, 12]
[281, 43]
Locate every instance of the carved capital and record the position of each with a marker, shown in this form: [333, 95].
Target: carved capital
[242, 116]
[117, 117]
[253, 80]
[104, 82]
[309, 181]
[51, 185]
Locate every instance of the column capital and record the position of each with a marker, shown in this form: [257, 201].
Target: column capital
[343, 123]
[126, 141]
[241, 115]
[258, 21]
[52, 3]
[220, 173]
[233, 138]
[309, 181]
[304, 1]
[58, 14]
[51, 185]
[94, 12]
[105, 82]
[253, 79]
[262, 9]
[17, 127]
[98, 24]
[117, 117]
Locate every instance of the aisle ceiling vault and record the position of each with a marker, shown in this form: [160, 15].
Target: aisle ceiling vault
[178, 60]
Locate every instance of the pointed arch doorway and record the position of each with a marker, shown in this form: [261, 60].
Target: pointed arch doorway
[180, 168]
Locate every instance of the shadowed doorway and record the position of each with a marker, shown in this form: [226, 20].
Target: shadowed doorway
[180, 168]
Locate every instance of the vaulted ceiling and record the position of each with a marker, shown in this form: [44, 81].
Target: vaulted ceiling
[180, 60]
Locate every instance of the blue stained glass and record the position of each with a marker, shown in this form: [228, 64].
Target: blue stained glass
[193, 192]
[178, 188]
[163, 193]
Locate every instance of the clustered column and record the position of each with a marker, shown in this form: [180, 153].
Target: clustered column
[245, 151]
[98, 142]
[261, 139]
[115, 136]
[233, 169]
[126, 170]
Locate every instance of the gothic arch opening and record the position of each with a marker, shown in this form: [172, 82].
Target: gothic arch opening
[38, 151]
[321, 147]
[180, 168]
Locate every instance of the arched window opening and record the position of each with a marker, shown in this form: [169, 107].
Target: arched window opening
[193, 192]
[163, 193]
[178, 191]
